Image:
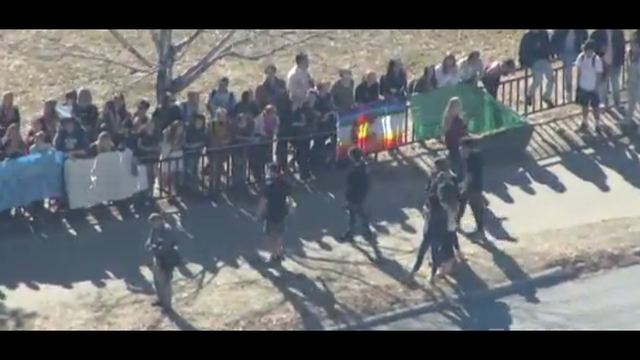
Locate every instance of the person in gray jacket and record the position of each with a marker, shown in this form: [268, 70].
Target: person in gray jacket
[162, 244]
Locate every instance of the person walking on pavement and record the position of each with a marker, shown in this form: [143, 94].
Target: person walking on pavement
[273, 209]
[472, 184]
[432, 213]
[358, 186]
[163, 246]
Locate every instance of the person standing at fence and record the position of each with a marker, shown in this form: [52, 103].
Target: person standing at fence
[195, 142]
[447, 72]
[473, 184]
[368, 91]
[299, 80]
[273, 209]
[247, 105]
[140, 117]
[149, 151]
[241, 148]
[171, 154]
[220, 137]
[493, 74]
[357, 190]
[167, 112]
[273, 90]
[221, 97]
[102, 145]
[611, 48]
[633, 79]
[424, 83]
[324, 141]
[567, 44]
[9, 112]
[342, 91]
[70, 138]
[86, 112]
[303, 120]
[471, 68]
[12, 145]
[163, 246]
[40, 144]
[265, 130]
[454, 129]
[535, 54]
[48, 121]
[114, 113]
[393, 84]
[590, 74]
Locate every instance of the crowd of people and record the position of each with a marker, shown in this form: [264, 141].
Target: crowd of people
[457, 180]
[291, 114]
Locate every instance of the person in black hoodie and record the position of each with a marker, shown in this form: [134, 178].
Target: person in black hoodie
[567, 44]
[424, 83]
[535, 54]
[393, 84]
[368, 91]
[611, 47]
[358, 186]
[472, 184]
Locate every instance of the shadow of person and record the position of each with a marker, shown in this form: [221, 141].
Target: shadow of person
[180, 322]
[493, 226]
[471, 312]
[390, 267]
[509, 267]
[621, 159]
[583, 166]
[300, 291]
[541, 175]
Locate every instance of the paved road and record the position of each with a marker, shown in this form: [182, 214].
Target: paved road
[609, 301]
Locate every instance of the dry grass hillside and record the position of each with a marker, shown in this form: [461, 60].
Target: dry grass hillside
[34, 75]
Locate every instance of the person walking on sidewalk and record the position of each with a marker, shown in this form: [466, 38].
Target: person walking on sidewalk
[472, 184]
[358, 186]
[162, 244]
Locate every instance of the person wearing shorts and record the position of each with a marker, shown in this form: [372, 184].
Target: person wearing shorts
[273, 209]
[590, 70]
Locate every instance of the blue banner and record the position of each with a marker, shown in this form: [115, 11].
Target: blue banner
[31, 178]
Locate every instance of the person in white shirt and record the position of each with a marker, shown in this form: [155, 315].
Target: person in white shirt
[590, 69]
[471, 69]
[299, 81]
[447, 73]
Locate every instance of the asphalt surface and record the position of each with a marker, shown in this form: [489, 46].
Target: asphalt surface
[609, 301]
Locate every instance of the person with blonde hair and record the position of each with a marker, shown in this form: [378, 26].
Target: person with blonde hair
[454, 128]
[102, 145]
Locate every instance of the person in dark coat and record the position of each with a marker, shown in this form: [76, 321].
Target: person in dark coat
[358, 186]
[567, 44]
[611, 47]
[162, 244]
[535, 54]
[472, 184]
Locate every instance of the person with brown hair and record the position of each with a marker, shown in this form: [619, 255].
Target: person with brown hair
[342, 91]
[265, 130]
[115, 113]
[9, 112]
[220, 135]
[273, 90]
[102, 145]
[424, 83]
[368, 91]
[11, 145]
[454, 129]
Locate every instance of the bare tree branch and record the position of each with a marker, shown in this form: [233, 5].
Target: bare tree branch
[156, 39]
[201, 66]
[186, 42]
[130, 48]
[272, 51]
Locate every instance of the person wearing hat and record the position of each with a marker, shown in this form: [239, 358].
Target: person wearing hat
[472, 184]
[273, 209]
[358, 186]
[162, 244]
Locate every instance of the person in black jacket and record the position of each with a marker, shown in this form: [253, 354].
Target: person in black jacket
[393, 84]
[535, 55]
[358, 184]
[368, 91]
[567, 44]
[610, 44]
[472, 184]
[424, 83]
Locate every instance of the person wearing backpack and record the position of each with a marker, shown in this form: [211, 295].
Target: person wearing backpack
[590, 74]
[162, 244]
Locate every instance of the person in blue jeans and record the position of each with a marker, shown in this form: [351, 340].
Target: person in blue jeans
[567, 44]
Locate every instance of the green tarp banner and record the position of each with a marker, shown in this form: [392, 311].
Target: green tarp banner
[482, 112]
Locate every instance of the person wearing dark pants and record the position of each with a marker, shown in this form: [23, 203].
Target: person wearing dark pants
[433, 213]
[472, 186]
[163, 245]
[358, 184]
[273, 209]
[304, 119]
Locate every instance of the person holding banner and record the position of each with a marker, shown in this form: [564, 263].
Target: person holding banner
[12, 146]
